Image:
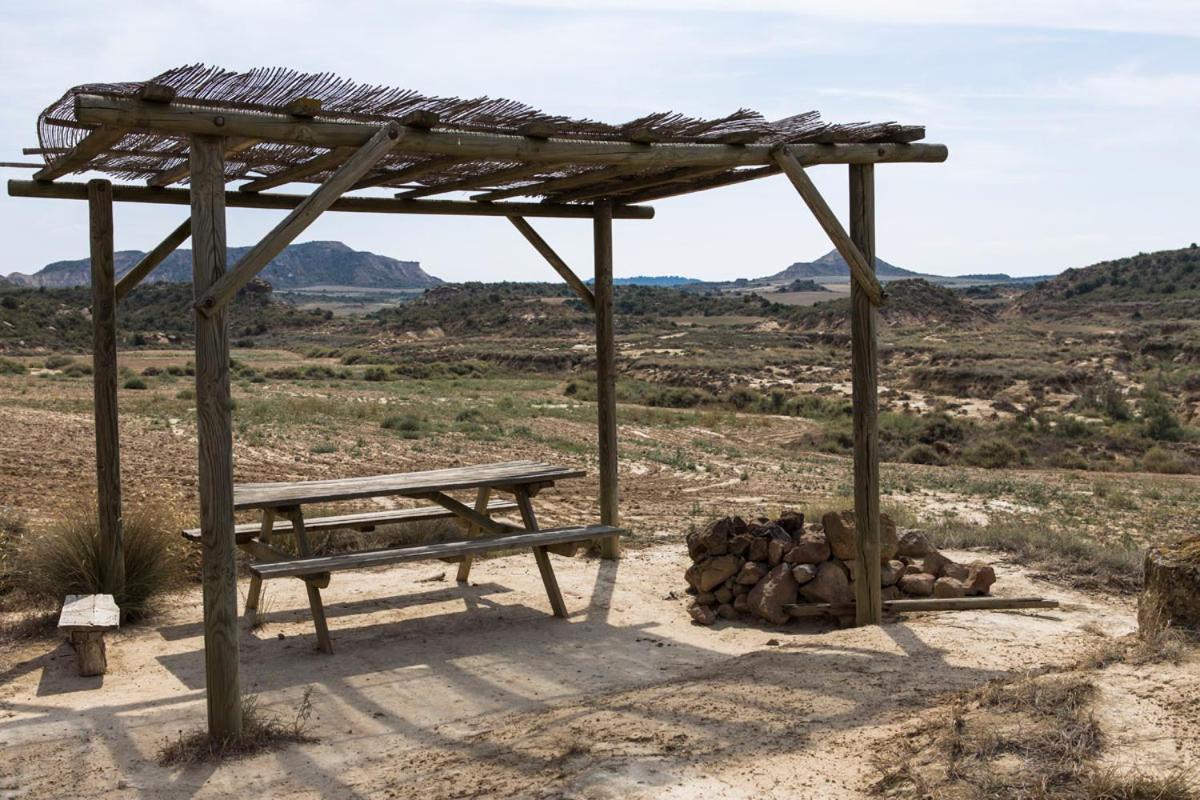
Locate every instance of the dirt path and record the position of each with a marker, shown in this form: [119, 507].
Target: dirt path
[443, 692]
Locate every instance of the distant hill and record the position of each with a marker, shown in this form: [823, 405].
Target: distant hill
[298, 266]
[805, 285]
[911, 301]
[1166, 275]
[654, 280]
[833, 265]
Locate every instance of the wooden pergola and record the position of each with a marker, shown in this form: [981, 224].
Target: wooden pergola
[266, 128]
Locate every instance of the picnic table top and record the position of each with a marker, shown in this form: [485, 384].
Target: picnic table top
[294, 493]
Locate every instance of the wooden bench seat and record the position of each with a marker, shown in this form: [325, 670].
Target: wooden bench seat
[85, 618]
[362, 522]
[370, 558]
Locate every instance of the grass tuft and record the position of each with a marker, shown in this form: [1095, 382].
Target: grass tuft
[260, 732]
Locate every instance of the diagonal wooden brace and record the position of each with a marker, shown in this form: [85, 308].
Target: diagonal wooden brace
[300, 218]
[466, 512]
[555, 260]
[155, 257]
[861, 271]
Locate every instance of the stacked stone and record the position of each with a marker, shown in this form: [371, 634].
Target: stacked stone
[761, 567]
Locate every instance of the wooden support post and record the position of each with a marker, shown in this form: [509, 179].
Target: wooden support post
[541, 555]
[312, 583]
[606, 376]
[481, 507]
[254, 595]
[104, 382]
[214, 431]
[868, 606]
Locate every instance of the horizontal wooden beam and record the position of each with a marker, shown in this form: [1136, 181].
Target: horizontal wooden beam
[409, 173]
[154, 258]
[701, 184]
[299, 219]
[924, 604]
[862, 271]
[475, 181]
[545, 187]
[675, 176]
[560, 266]
[176, 174]
[359, 205]
[88, 148]
[312, 166]
[179, 119]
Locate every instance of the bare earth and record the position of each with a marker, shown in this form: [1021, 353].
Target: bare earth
[479, 692]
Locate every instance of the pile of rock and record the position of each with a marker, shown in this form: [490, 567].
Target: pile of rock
[763, 566]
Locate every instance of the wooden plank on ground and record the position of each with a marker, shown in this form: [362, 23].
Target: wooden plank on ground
[924, 604]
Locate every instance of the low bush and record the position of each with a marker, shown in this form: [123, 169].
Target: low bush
[65, 558]
[408, 426]
[920, 454]
[57, 361]
[133, 382]
[375, 374]
[993, 454]
[1159, 459]
[10, 367]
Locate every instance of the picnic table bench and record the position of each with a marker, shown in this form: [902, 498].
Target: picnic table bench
[484, 534]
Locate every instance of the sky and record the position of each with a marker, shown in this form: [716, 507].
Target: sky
[1072, 125]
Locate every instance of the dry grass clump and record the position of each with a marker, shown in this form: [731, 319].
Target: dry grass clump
[260, 732]
[1078, 559]
[64, 557]
[1030, 738]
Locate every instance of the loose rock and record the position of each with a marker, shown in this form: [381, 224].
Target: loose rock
[840, 531]
[726, 611]
[803, 573]
[949, 587]
[702, 615]
[829, 586]
[913, 543]
[891, 572]
[919, 584]
[714, 571]
[772, 593]
[810, 548]
[980, 577]
[751, 573]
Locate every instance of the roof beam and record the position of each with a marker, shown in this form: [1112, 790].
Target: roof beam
[591, 177]
[179, 119]
[475, 181]
[180, 172]
[299, 219]
[320, 163]
[154, 258]
[860, 268]
[411, 172]
[555, 260]
[124, 193]
[78, 156]
[649, 182]
[723, 179]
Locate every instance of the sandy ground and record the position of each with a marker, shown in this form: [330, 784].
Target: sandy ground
[439, 691]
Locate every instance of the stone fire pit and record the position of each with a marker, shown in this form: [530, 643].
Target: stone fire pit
[759, 568]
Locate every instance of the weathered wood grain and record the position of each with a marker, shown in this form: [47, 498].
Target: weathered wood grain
[214, 430]
[606, 376]
[89, 612]
[357, 205]
[411, 484]
[429, 552]
[104, 385]
[864, 367]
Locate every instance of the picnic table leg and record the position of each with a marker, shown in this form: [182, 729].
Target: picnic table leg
[542, 556]
[314, 594]
[254, 596]
[481, 505]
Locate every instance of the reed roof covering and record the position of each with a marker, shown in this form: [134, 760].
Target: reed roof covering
[160, 156]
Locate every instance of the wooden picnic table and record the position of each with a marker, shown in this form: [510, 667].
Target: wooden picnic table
[521, 479]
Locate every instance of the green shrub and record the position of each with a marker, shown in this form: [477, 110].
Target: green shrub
[375, 374]
[134, 382]
[993, 454]
[77, 370]
[407, 425]
[920, 454]
[1159, 459]
[10, 367]
[65, 558]
[58, 361]
[185, 394]
[1159, 421]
